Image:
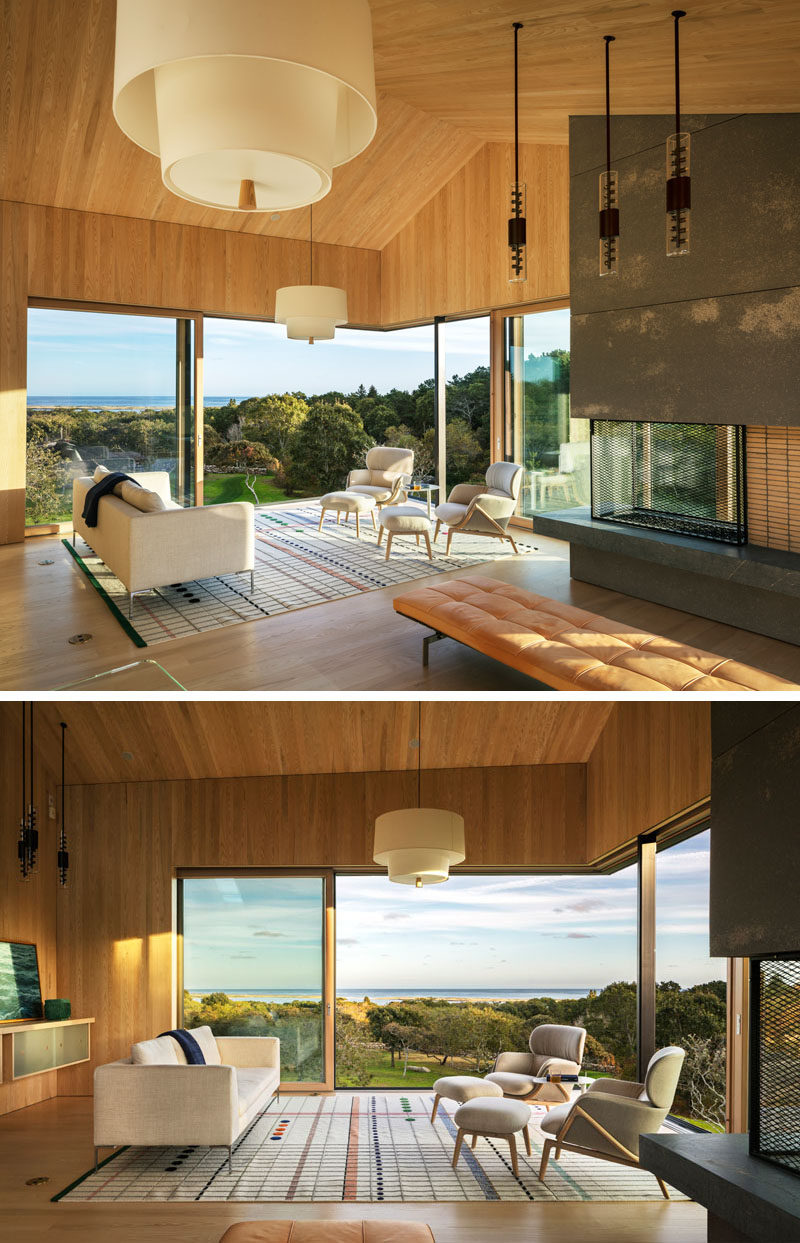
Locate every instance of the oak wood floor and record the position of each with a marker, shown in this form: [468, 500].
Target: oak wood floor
[355, 644]
[54, 1140]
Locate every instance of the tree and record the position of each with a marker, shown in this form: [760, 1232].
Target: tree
[328, 444]
[273, 420]
[44, 480]
[241, 457]
[352, 1052]
[704, 1072]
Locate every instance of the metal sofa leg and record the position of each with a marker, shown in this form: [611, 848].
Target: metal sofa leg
[426, 642]
[130, 606]
[96, 1159]
[230, 1158]
[252, 581]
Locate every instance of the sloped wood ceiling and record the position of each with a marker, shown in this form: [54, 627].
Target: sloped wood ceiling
[444, 77]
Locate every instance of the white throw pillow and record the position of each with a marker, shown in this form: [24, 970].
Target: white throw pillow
[99, 473]
[158, 1052]
[208, 1045]
[140, 498]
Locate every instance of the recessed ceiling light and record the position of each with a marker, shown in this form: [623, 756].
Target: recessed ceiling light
[276, 215]
[127, 755]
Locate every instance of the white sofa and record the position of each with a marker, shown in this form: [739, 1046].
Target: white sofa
[173, 545]
[155, 1099]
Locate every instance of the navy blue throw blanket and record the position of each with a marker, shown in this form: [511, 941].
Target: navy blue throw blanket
[106, 484]
[194, 1054]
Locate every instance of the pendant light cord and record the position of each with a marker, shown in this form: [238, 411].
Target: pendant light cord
[609, 39]
[419, 754]
[31, 759]
[517, 28]
[62, 835]
[677, 14]
[24, 768]
[310, 244]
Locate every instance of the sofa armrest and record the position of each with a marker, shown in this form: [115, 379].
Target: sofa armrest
[254, 1051]
[179, 545]
[165, 1105]
[514, 1063]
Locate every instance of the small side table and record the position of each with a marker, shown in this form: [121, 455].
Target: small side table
[423, 489]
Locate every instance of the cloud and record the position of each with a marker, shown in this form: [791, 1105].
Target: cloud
[346, 941]
[395, 915]
[580, 936]
[585, 904]
[241, 955]
[267, 933]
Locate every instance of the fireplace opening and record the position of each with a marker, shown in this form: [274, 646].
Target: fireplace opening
[685, 478]
[775, 1060]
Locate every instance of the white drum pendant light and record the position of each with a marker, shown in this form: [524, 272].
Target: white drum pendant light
[419, 844]
[311, 312]
[249, 103]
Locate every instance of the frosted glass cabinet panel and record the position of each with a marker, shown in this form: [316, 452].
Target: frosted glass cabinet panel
[35, 1048]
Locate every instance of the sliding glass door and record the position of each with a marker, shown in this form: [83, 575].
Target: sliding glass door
[540, 434]
[256, 962]
[110, 389]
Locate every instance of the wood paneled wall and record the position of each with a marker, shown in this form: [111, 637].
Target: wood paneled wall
[115, 919]
[27, 908]
[13, 368]
[650, 762]
[453, 256]
[773, 487]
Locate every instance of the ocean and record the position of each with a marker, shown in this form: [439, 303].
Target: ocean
[105, 401]
[382, 996]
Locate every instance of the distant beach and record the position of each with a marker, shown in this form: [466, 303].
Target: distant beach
[384, 996]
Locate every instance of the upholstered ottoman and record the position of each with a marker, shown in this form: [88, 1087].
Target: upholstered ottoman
[462, 1088]
[328, 1232]
[404, 520]
[495, 1120]
[347, 503]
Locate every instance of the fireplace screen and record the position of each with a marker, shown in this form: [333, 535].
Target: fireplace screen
[775, 1060]
[686, 478]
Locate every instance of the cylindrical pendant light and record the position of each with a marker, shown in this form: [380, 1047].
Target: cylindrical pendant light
[517, 225]
[418, 845]
[311, 312]
[679, 182]
[609, 191]
[250, 104]
[63, 853]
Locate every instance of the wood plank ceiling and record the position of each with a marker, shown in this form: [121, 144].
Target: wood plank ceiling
[202, 739]
[444, 77]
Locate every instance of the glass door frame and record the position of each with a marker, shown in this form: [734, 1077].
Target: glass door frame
[502, 432]
[153, 312]
[328, 931]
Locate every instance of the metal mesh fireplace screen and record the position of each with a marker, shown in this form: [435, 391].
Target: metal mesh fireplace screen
[775, 1061]
[687, 478]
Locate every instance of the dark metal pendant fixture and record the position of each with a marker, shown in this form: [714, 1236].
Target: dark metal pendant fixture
[517, 242]
[28, 841]
[609, 192]
[63, 853]
[679, 183]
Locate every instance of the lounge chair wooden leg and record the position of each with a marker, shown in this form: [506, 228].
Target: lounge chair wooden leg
[358, 527]
[338, 516]
[322, 515]
[513, 545]
[663, 1186]
[438, 529]
[372, 515]
[380, 535]
[428, 546]
[548, 1144]
[512, 1143]
[449, 542]
[388, 544]
[527, 1137]
[437, 1097]
[459, 1142]
[474, 1142]
[417, 535]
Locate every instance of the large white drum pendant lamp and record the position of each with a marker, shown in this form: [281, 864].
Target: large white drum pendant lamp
[418, 845]
[311, 312]
[249, 103]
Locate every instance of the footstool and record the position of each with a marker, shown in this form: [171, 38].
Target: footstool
[347, 503]
[493, 1119]
[404, 520]
[328, 1232]
[462, 1088]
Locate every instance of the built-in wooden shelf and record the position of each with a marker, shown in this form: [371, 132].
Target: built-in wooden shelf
[34, 1048]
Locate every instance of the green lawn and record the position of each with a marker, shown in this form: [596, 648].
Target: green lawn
[384, 1076]
[218, 489]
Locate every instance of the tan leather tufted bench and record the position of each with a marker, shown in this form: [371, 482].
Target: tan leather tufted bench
[568, 648]
[328, 1232]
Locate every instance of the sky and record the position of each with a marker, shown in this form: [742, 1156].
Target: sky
[86, 353]
[471, 932]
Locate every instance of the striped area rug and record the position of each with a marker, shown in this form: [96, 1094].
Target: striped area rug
[363, 1147]
[296, 566]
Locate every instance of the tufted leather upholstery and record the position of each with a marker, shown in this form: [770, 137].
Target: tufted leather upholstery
[328, 1232]
[569, 648]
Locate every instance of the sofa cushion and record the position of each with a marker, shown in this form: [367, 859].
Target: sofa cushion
[99, 473]
[140, 498]
[251, 1083]
[163, 1051]
[208, 1045]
